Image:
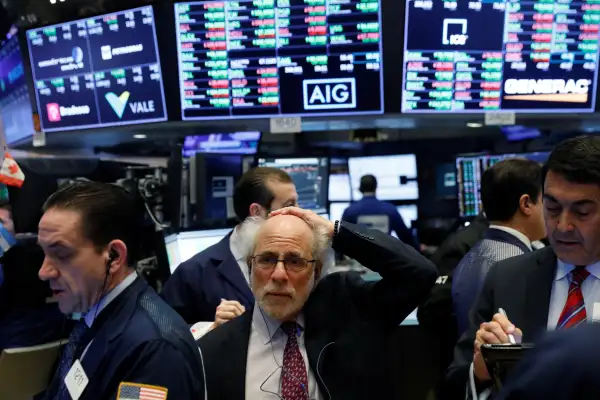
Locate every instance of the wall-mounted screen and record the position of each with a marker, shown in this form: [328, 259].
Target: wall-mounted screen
[98, 71]
[222, 143]
[311, 177]
[183, 246]
[396, 176]
[476, 56]
[339, 180]
[247, 58]
[15, 104]
[469, 170]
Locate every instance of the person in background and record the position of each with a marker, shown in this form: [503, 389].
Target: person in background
[552, 288]
[308, 336]
[377, 214]
[511, 194]
[129, 344]
[28, 317]
[212, 288]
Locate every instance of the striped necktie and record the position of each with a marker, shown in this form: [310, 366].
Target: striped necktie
[574, 313]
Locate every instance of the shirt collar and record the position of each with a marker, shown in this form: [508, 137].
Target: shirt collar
[515, 233]
[563, 269]
[267, 326]
[108, 297]
[236, 246]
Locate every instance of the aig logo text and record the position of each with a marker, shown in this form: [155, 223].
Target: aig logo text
[328, 94]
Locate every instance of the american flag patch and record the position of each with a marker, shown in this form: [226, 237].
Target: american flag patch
[136, 391]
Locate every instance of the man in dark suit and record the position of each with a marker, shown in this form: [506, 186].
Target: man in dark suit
[562, 366]
[511, 194]
[552, 288]
[212, 287]
[308, 337]
[130, 344]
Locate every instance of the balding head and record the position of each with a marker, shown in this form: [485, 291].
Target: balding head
[281, 291]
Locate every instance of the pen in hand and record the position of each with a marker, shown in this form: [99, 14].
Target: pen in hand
[511, 338]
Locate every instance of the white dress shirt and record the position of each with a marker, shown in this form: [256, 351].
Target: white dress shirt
[265, 359]
[236, 247]
[560, 291]
[106, 300]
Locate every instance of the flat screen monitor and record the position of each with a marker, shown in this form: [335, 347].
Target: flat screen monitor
[396, 176]
[339, 180]
[242, 143]
[245, 59]
[479, 56]
[183, 246]
[310, 175]
[469, 170]
[409, 213]
[97, 72]
[15, 104]
[336, 210]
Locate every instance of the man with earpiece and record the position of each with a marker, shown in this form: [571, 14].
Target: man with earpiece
[129, 343]
[307, 336]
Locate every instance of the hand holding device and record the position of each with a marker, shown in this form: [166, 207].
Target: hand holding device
[226, 311]
[308, 216]
[496, 331]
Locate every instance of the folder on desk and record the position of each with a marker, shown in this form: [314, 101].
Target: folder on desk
[27, 371]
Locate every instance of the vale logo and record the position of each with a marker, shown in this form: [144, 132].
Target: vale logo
[118, 103]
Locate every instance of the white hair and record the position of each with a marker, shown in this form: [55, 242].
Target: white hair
[321, 251]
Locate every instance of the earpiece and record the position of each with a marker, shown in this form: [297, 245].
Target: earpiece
[112, 255]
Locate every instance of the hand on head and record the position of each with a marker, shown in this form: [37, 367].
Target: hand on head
[494, 332]
[312, 219]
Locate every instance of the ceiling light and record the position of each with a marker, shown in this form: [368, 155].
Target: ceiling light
[474, 124]
[140, 136]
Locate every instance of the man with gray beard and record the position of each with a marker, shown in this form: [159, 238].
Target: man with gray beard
[307, 337]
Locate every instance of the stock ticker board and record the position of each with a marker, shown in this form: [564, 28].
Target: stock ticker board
[517, 55]
[261, 58]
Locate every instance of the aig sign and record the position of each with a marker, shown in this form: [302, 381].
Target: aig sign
[328, 94]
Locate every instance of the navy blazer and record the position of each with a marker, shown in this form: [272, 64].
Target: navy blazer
[197, 286]
[563, 366]
[348, 322]
[137, 338]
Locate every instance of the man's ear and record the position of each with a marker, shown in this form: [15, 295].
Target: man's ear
[255, 210]
[526, 205]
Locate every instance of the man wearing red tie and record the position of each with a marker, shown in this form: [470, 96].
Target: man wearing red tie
[551, 289]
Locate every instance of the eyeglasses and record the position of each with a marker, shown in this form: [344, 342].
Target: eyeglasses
[290, 263]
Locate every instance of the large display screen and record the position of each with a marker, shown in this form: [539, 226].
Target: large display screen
[518, 55]
[469, 171]
[257, 58]
[339, 180]
[396, 176]
[311, 177]
[98, 71]
[15, 104]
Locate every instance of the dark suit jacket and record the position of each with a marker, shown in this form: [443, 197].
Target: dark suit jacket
[562, 366]
[197, 286]
[347, 321]
[522, 286]
[137, 338]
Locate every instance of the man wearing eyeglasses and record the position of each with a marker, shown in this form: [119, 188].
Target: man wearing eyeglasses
[307, 337]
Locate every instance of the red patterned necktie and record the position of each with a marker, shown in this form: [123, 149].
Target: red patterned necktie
[294, 379]
[574, 312]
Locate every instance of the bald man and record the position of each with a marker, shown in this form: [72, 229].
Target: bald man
[307, 337]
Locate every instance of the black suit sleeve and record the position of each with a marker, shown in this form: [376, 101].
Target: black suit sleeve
[160, 364]
[483, 310]
[407, 276]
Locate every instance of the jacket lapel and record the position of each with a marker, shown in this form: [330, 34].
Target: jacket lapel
[538, 285]
[229, 269]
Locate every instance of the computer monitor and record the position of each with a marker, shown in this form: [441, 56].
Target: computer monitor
[409, 213]
[336, 210]
[396, 176]
[183, 246]
[339, 180]
[469, 170]
[311, 177]
[242, 143]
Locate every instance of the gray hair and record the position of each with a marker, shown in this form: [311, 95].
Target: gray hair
[321, 250]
